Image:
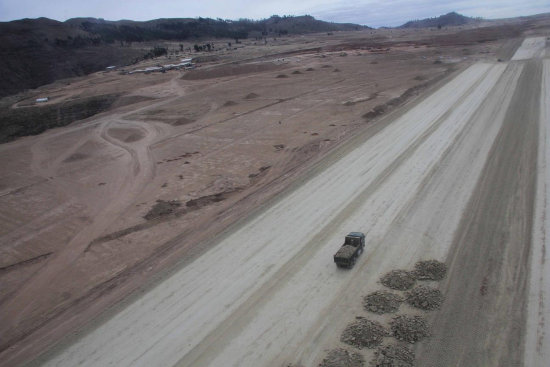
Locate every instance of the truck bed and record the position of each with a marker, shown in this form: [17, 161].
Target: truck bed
[345, 252]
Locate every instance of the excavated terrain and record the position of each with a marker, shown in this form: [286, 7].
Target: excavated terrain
[193, 220]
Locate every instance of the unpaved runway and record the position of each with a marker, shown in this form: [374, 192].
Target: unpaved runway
[268, 293]
[537, 341]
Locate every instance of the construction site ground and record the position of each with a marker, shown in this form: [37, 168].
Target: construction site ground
[194, 222]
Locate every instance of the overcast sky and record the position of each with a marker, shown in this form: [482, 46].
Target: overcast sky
[375, 13]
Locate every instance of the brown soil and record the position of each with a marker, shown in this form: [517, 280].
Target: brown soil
[229, 71]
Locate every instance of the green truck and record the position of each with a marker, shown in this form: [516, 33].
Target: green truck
[351, 249]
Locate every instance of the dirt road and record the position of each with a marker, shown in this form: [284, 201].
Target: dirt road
[453, 176]
[537, 341]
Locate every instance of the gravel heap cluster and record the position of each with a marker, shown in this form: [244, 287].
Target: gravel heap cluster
[409, 328]
[393, 355]
[425, 298]
[340, 357]
[430, 270]
[382, 302]
[401, 280]
[364, 333]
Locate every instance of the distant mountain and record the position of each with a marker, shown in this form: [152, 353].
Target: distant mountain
[39, 51]
[450, 19]
[185, 28]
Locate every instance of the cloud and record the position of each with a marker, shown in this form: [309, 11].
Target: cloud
[379, 13]
[370, 12]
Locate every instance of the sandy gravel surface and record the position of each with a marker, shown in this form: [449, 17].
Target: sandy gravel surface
[489, 259]
[532, 47]
[271, 285]
[537, 341]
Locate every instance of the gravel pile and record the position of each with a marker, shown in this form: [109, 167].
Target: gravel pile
[409, 328]
[345, 252]
[364, 333]
[399, 279]
[425, 298]
[430, 270]
[340, 357]
[393, 356]
[382, 302]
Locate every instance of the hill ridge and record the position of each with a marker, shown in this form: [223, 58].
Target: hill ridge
[450, 19]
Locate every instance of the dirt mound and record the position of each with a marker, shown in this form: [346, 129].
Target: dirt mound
[382, 302]
[409, 328]
[75, 157]
[430, 270]
[229, 103]
[228, 70]
[393, 356]
[282, 76]
[205, 200]
[251, 96]
[336, 70]
[425, 298]
[296, 72]
[326, 66]
[340, 357]
[310, 69]
[181, 121]
[162, 208]
[364, 333]
[399, 279]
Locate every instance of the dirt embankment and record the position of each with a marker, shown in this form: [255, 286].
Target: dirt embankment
[231, 70]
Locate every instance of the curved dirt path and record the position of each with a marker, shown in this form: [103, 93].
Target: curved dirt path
[133, 167]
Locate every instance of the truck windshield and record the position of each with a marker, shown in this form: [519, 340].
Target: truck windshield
[354, 241]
